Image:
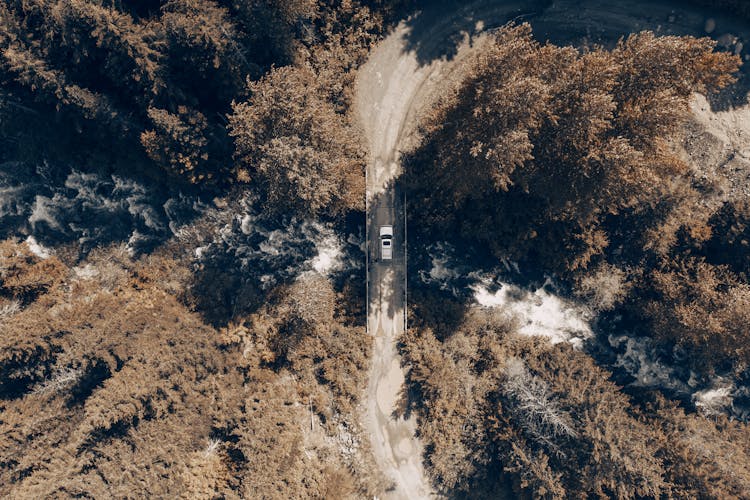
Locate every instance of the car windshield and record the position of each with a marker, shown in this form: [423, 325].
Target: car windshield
[386, 243]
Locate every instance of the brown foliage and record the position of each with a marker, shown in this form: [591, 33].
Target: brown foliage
[109, 387]
[178, 143]
[603, 287]
[23, 275]
[296, 147]
[552, 419]
[705, 458]
[705, 311]
[571, 161]
[297, 329]
[132, 86]
[542, 144]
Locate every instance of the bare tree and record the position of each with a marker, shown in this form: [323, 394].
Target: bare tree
[533, 404]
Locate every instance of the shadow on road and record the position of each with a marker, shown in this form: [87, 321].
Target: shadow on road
[386, 208]
[435, 35]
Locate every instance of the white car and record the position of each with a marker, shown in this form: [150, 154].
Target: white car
[386, 242]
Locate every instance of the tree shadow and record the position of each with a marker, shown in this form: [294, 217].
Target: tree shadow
[386, 208]
[243, 254]
[240, 254]
[436, 30]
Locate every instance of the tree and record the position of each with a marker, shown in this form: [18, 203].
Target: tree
[547, 415]
[704, 310]
[293, 144]
[532, 403]
[207, 53]
[178, 143]
[95, 79]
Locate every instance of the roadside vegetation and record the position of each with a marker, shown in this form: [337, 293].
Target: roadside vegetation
[573, 163]
[111, 387]
[146, 88]
[495, 406]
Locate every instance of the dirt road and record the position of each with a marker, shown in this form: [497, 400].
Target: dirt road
[402, 78]
[397, 452]
[393, 87]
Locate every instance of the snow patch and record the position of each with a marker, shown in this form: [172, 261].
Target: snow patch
[37, 249]
[89, 208]
[440, 272]
[715, 400]
[329, 254]
[41, 211]
[246, 224]
[267, 252]
[199, 251]
[539, 312]
[86, 272]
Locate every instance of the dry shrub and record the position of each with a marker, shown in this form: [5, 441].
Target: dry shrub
[603, 287]
[23, 275]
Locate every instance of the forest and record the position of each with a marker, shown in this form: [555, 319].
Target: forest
[182, 290]
[573, 163]
[167, 373]
[634, 215]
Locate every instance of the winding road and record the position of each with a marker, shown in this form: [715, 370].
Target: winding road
[393, 88]
[403, 77]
